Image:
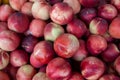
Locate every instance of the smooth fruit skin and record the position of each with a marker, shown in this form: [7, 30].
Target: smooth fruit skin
[3, 26]
[98, 26]
[9, 40]
[76, 6]
[87, 14]
[58, 69]
[19, 57]
[43, 52]
[109, 77]
[81, 52]
[116, 3]
[107, 11]
[35, 62]
[11, 71]
[117, 64]
[28, 43]
[61, 13]
[5, 12]
[89, 3]
[92, 68]
[76, 27]
[76, 76]
[114, 28]
[17, 4]
[36, 27]
[111, 53]
[52, 31]
[96, 44]
[4, 76]
[25, 72]
[40, 10]
[18, 22]
[40, 76]
[26, 8]
[66, 45]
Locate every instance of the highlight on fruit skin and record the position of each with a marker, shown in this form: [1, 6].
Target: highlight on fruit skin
[92, 68]
[66, 45]
[61, 13]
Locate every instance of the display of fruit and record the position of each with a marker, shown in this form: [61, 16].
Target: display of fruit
[59, 39]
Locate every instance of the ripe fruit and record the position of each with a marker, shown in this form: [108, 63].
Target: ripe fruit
[16, 5]
[76, 27]
[36, 27]
[58, 68]
[43, 52]
[107, 11]
[114, 28]
[98, 26]
[18, 22]
[40, 10]
[9, 40]
[96, 44]
[89, 3]
[18, 58]
[25, 72]
[61, 13]
[66, 45]
[92, 68]
[52, 31]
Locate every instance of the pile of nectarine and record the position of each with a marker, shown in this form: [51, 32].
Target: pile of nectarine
[59, 39]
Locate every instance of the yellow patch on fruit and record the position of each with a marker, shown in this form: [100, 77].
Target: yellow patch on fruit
[5, 1]
[0, 2]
